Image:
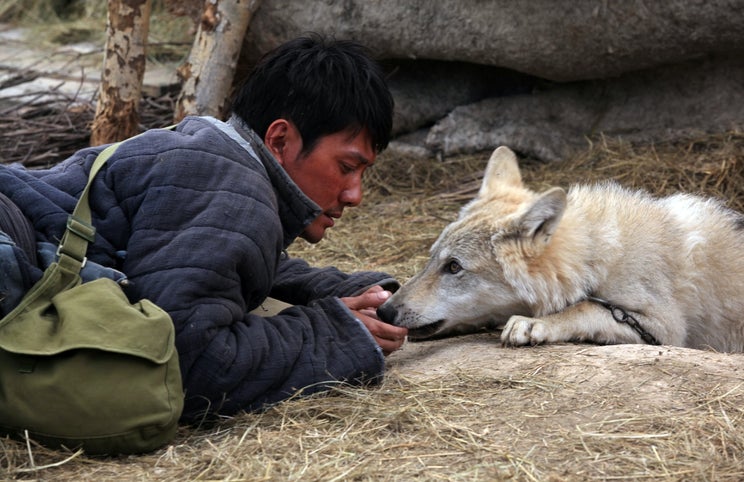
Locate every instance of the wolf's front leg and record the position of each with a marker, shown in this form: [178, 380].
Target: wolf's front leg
[584, 321]
[522, 330]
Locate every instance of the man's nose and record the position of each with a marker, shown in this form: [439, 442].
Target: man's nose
[352, 195]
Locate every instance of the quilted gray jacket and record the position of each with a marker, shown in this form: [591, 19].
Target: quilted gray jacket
[198, 218]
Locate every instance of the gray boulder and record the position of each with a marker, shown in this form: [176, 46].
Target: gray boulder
[562, 40]
[425, 91]
[543, 76]
[666, 103]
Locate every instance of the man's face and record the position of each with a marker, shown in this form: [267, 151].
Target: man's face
[330, 174]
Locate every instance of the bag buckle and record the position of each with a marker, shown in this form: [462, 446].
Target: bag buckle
[82, 262]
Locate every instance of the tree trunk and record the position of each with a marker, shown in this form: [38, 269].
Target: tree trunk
[117, 110]
[208, 74]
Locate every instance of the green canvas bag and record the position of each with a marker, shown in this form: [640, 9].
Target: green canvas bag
[80, 366]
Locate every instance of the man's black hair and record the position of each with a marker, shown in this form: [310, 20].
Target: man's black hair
[323, 86]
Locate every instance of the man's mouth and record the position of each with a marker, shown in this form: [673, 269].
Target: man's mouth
[332, 215]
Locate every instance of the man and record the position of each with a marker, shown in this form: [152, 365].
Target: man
[199, 218]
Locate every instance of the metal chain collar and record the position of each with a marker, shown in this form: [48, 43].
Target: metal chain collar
[622, 316]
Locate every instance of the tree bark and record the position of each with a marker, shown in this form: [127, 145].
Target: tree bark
[207, 76]
[117, 110]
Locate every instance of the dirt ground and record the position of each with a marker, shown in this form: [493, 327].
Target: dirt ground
[578, 412]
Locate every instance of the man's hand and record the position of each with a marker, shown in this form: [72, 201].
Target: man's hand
[364, 307]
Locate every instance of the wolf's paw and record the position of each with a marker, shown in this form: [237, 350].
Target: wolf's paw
[521, 330]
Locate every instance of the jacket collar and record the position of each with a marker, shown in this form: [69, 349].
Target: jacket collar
[296, 210]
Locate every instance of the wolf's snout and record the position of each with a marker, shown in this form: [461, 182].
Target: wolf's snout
[387, 312]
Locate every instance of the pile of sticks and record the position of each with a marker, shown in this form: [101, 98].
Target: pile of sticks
[41, 130]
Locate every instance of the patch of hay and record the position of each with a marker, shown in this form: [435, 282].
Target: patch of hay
[526, 421]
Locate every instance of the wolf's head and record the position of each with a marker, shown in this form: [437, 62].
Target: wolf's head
[481, 267]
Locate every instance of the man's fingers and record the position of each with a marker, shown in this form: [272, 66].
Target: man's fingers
[368, 299]
[389, 346]
[389, 337]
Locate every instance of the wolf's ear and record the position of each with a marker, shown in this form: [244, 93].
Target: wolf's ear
[541, 219]
[502, 169]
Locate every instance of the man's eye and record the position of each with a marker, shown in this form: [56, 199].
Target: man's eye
[453, 267]
[347, 168]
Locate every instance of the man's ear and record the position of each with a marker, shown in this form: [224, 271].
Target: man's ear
[283, 140]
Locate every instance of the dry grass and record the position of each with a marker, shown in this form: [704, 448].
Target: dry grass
[467, 426]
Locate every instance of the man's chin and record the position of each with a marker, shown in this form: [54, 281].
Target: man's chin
[313, 235]
[315, 231]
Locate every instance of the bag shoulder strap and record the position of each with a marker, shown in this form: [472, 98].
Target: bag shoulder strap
[79, 230]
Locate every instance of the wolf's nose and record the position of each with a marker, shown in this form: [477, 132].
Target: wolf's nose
[387, 313]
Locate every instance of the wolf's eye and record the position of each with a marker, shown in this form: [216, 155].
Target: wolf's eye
[453, 267]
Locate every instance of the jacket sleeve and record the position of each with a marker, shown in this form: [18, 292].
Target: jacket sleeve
[260, 361]
[299, 283]
[206, 251]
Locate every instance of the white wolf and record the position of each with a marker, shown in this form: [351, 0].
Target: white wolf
[600, 263]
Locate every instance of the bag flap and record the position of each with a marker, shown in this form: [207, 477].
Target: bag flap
[94, 315]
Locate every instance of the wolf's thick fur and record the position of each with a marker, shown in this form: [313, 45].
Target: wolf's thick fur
[530, 261]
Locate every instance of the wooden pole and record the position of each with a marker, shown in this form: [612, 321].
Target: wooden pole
[117, 110]
[208, 74]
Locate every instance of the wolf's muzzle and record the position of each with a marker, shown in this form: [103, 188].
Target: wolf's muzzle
[387, 313]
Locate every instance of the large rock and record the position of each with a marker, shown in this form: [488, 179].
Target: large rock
[426, 91]
[638, 371]
[543, 77]
[574, 412]
[554, 123]
[561, 40]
